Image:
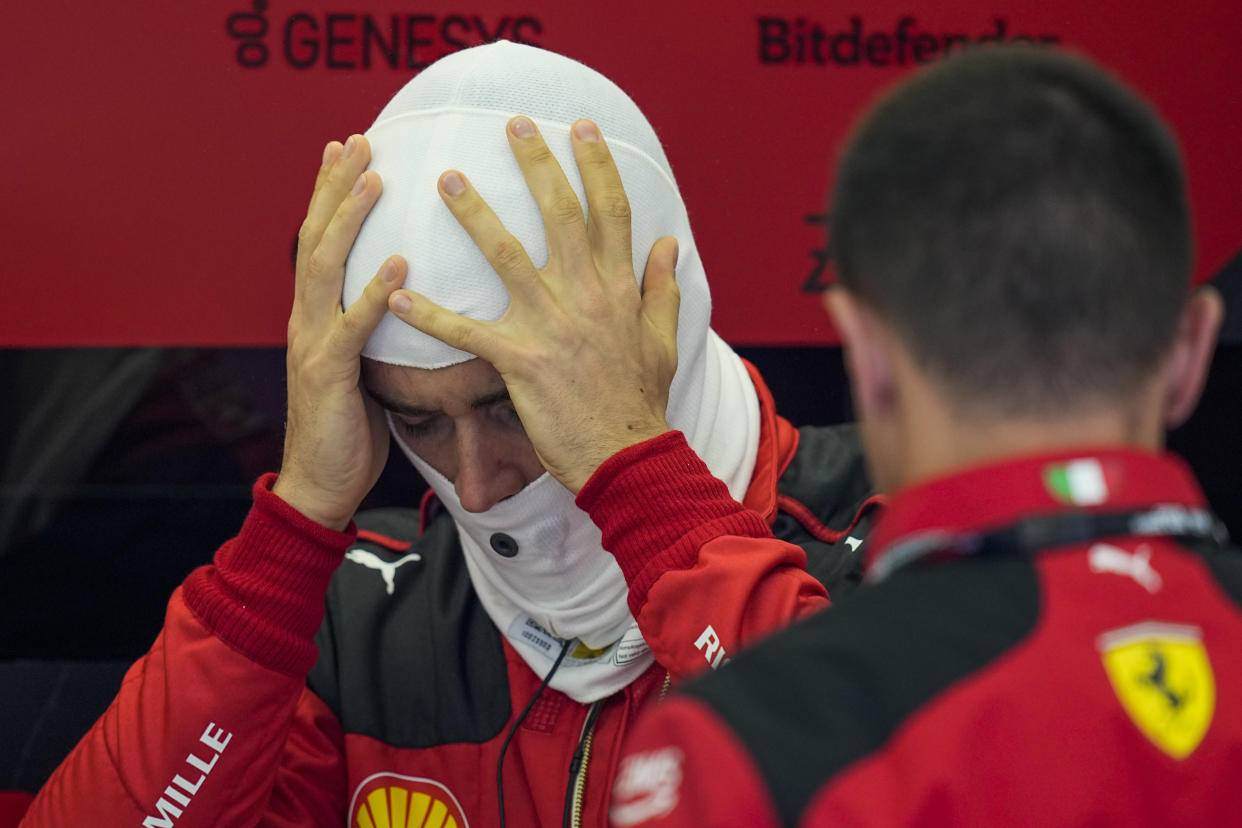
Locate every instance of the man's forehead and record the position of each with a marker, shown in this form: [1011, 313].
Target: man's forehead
[420, 391]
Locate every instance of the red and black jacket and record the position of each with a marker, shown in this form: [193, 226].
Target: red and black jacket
[1092, 678]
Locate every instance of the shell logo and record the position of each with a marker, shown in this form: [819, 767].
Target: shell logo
[390, 800]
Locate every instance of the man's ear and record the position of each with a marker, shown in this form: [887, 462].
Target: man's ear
[1187, 368]
[867, 357]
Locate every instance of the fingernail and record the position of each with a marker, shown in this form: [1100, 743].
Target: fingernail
[399, 303]
[327, 152]
[349, 147]
[389, 271]
[586, 131]
[453, 185]
[360, 184]
[522, 127]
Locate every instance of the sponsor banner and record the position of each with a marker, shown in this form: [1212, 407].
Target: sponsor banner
[161, 156]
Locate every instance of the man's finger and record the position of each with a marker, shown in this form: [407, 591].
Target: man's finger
[365, 313]
[501, 249]
[563, 222]
[324, 272]
[608, 227]
[661, 298]
[331, 152]
[334, 185]
[452, 329]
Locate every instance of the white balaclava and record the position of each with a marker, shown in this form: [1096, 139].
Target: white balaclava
[560, 585]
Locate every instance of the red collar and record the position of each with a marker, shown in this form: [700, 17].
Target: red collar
[778, 442]
[990, 497]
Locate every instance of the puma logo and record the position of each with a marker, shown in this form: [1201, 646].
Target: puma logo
[387, 569]
[1105, 558]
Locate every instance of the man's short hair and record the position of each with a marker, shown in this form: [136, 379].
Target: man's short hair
[1019, 217]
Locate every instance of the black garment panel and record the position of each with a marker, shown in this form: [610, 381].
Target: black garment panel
[423, 666]
[828, 475]
[1225, 565]
[832, 689]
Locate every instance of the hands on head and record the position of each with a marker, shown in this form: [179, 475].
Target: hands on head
[587, 357]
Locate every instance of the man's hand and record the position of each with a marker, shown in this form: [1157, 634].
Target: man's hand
[587, 360]
[335, 439]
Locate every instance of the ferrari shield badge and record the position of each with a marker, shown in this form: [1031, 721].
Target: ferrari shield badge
[1163, 678]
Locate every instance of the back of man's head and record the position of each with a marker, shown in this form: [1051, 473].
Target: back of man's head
[1019, 218]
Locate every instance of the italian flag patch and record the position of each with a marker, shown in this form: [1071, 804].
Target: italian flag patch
[1078, 482]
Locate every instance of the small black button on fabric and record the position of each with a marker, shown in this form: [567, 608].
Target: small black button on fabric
[503, 545]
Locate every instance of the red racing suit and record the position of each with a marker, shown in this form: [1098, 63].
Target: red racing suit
[262, 703]
[1052, 641]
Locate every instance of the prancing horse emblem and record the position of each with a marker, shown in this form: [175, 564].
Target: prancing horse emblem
[387, 569]
[1162, 675]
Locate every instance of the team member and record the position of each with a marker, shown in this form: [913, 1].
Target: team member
[1050, 632]
[479, 662]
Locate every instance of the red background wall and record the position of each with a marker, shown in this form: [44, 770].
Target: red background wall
[154, 181]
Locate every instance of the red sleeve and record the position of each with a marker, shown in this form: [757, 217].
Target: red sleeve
[311, 786]
[213, 723]
[706, 576]
[680, 766]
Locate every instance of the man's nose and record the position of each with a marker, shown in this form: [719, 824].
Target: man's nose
[484, 478]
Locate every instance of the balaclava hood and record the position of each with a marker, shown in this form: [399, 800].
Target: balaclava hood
[560, 585]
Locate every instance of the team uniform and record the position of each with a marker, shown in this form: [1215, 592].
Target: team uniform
[254, 707]
[1051, 641]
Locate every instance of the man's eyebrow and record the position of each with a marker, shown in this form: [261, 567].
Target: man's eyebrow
[399, 408]
[406, 410]
[499, 395]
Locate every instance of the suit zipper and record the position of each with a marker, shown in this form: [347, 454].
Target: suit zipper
[578, 767]
[582, 757]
